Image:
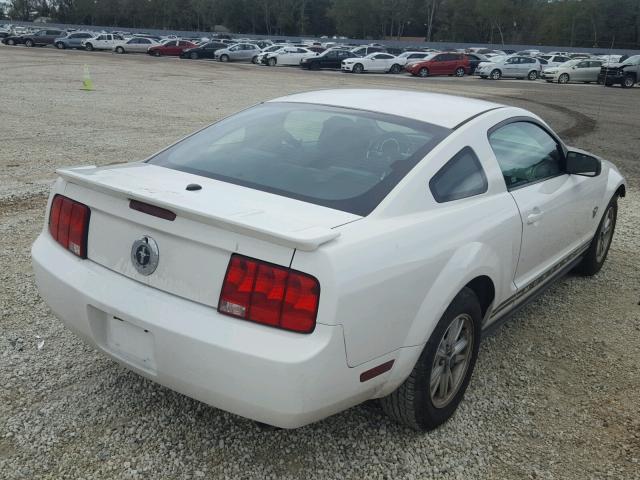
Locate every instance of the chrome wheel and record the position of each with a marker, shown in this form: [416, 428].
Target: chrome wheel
[564, 78]
[451, 360]
[605, 235]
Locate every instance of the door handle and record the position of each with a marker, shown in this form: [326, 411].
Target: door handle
[535, 215]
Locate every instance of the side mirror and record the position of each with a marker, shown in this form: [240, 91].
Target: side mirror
[582, 164]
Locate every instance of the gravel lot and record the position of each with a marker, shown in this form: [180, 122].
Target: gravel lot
[555, 394]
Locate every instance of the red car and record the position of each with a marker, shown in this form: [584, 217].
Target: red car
[441, 64]
[173, 48]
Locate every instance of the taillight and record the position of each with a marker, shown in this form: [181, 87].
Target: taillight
[69, 224]
[269, 294]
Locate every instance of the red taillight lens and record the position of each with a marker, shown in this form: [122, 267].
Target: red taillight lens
[269, 294]
[69, 224]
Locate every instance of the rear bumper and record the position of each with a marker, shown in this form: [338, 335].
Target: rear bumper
[273, 376]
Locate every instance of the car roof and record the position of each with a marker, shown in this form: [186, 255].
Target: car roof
[439, 109]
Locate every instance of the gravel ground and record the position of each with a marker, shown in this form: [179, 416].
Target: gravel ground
[556, 391]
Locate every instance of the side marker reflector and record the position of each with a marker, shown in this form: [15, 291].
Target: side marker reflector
[375, 371]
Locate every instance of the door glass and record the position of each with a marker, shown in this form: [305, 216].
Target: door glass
[526, 153]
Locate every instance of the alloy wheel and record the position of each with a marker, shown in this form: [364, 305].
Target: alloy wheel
[564, 78]
[460, 72]
[605, 235]
[423, 72]
[451, 360]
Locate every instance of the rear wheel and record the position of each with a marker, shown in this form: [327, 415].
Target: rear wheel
[423, 72]
[436, 385]
[459, 72]
[395, 68]
[599, 248]
[28, 43]
[564, 78]
[60, 46]
[358, 68]
[495, 74]
[628, 82]
[532, 75]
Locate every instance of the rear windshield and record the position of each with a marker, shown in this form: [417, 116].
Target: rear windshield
[340, 158]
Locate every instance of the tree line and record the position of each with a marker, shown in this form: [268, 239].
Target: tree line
[577, 23]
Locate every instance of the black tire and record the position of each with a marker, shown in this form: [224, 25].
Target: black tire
[224, 58]
[60, 46]
[254, 60]
[193, 55]
[459, 72]
[411, 403]
[29, 43]
[594, 259]
[314, 66]
[358, 68]
[272, 62]
[628, 82]
[11, 41]
[88, 46]
[395, 68]
[119, 50]
[564, 78]
[533, 75]
[156, 53]
[495, 74]
[423, 72]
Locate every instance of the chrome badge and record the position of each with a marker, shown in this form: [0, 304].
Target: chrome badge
[145, 255]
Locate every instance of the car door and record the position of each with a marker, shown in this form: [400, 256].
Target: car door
[592, 71]
[143, 45]
[436, 65]
[386, 61]
[557, 210]
[330, 59]
[579, 71]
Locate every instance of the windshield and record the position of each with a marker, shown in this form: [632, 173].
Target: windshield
[635, 60]
[336, 157]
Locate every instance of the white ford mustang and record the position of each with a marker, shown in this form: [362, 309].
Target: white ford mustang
[325, 248]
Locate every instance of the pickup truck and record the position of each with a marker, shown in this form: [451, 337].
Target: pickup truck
[627, 73]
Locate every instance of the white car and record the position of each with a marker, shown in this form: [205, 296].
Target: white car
[374, 62]
[103, 41]
[579, 70]
[322, 249]
[511, 67]
[552, 60]
[287, 56]
[135, 45]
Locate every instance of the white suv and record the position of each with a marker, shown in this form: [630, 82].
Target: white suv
[104, 41]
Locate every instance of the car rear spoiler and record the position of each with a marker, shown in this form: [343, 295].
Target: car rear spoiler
[255, 223]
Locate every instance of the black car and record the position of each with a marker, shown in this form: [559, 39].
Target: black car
[327, 59]
[39, 38]
[203, 51]
[474, 61]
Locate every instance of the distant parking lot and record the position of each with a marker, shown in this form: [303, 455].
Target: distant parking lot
[555, 393]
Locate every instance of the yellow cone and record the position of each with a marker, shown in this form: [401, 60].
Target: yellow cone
[87, 83]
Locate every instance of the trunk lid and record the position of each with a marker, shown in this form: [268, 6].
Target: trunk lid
[210, 225]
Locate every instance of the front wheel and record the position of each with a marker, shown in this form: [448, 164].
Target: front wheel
[599, 248]
[395, 68]
[358, 68]
[254, 60]
[495, 74]
[224, 58]
[119, 50]
[532, 75]
[628, 82]
[88, 46]
[11, 41]
[29, 43]
[60, 46]
[193, 55]
[564, 78]
[272, 62]
[156, 53]
[436, 385]
[423, 72]
[459, 72]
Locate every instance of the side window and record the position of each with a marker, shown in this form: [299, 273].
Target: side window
[460, 177]
[526, 153]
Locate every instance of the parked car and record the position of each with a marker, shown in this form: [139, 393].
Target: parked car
[441, 64]
[511, 67]
[37, 39]
[626, 74]
[553, 60]
[272, 250]
[374, 62]
[287, 56]
[171, 48]
[578, 70]
[365, 50]
[206, 50]
[135, 45]
[328, 59]
[72, 40]
[263, 53]
[239, 52]
[103, 41]
[475, 59]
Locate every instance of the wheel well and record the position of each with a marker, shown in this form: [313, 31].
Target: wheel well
[485, 291]
[621, 191]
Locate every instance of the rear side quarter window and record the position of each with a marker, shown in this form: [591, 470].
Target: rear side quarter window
[461, 177]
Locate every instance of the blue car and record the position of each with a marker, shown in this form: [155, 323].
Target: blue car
[72, 40]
